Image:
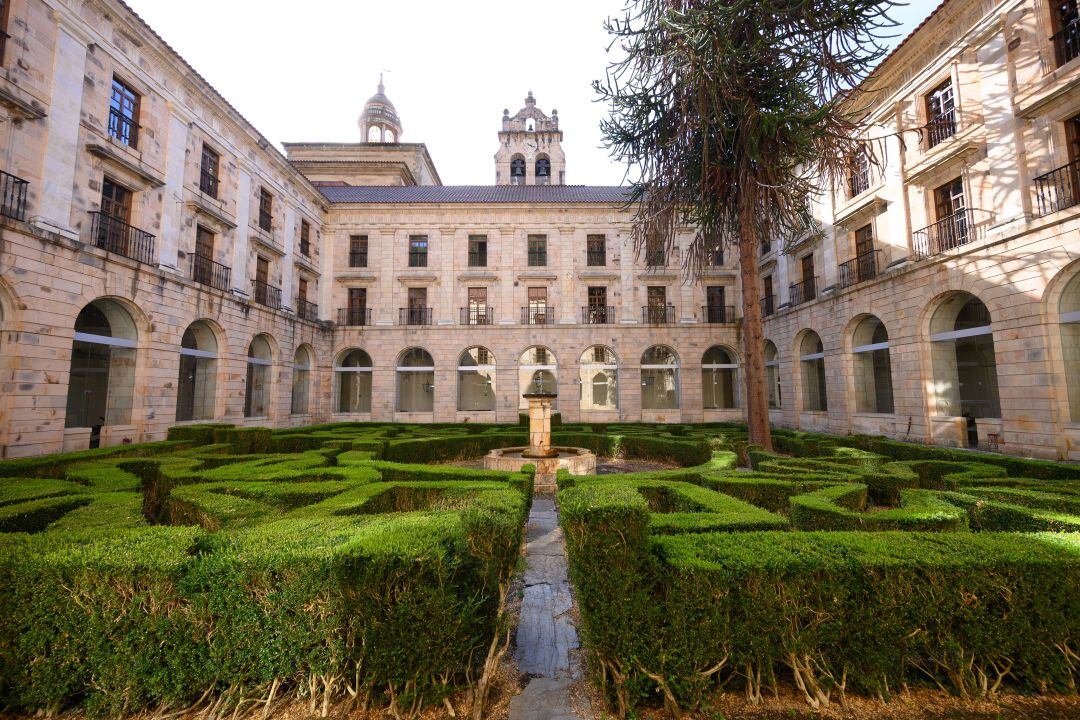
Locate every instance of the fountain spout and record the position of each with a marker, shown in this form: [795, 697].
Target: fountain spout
[539, 422]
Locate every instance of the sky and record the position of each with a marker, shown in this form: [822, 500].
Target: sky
[450, 67]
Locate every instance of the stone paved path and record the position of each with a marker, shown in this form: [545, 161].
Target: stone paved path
[546, 637]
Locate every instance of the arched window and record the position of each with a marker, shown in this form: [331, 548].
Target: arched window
[873, 371]
[374, 134]
[537, 363]
[599, 378]
[517, 170]
[1069, 316]
[101, 385]
[476, 380]
[416, 381]
[719, 379]
[196, 387]
[772, 374]
[301, 381]
[352, 375]
[543, 170]
[965, 369]
[659, 379]
[530, 125]
[390, 136]
[812, 362]
[257, 393]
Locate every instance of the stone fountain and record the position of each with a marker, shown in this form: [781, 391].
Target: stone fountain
[540, 452]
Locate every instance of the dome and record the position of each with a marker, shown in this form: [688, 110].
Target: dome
[380, 122]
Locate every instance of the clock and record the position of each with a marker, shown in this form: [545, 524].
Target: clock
[531, 145]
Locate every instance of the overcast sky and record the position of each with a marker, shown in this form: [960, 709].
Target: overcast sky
[301, 72]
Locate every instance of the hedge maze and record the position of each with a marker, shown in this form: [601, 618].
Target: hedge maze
[342, 562]
[837, 565]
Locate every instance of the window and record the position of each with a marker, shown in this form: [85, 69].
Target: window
[5, 7]
[655, 255]
[417, 312]
[953, 222]
[208, 171]
[659, 379]
[352, 375]
[719, 379]
[806, 289]
[123, 112]
[418, 251]
[714, 252]
[476, 380]
[768, 303]
[656, 308]
[597, 311]
[111, 229]
[266, 208]
[257, 389]
[543, 170]
[537, 250]
[962, 353]
[1072, 132]
[858, 179]
[537, 312]
[356, 312]
[596, 251]
[415, 381]
[1066, 26]
[101, 383]
[195, 395]
[537, 370]
[1069, 317]
[358, 251]
[772, 374]
[305, 238]
[873, 370]
[715, 308]
[478, 251]
[477, 312]
[599, 379]
[812, 362]
[301, 381]
[940, 114]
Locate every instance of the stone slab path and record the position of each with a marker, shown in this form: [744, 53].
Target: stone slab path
[546, 636]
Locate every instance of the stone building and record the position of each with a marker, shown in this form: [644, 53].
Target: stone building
[162, 262]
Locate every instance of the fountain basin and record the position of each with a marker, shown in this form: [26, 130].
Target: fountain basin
[578, 461]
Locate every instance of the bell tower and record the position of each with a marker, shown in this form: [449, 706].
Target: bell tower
[530, 148]
[379, 123]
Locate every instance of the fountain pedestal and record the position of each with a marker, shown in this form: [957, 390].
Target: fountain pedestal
[539, 426]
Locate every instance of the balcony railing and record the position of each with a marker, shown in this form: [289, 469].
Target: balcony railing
[414, 316]
[804, 291]
[859, 268]
[354, 316]
[718, 314]
[267, 295]
[940, 128]
[116, 236]
[123, 128]
[658, 314]
[1058, 189]
[357, 258]
[538, 315]
[13, 196]
[207, 272]
[950, 232]
[306, 310]
[768, 305]
[858, 182]
[477, 315]
[1067, 42]
[597, 315]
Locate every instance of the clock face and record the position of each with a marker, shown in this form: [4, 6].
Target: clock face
[531, 145]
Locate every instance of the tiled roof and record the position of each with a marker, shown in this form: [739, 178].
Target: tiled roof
[559, 194]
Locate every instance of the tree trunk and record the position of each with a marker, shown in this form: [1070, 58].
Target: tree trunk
[757, 402]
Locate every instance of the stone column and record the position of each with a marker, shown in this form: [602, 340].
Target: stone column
[172, 215]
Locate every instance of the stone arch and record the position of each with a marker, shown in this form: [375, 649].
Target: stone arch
[104, 355]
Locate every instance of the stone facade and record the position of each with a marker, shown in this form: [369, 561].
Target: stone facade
[150, 236]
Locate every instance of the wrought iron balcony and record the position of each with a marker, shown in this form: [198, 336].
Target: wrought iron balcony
[768, 305]
[354, 316]
[13, 196]
[597, 315]
[859, 268]
[116, 236]
[940, 128]
[267, 295]
[538, 315]
[1067, 42]
[357, 258]
[123, 128]
[477, 315]
[858, 182]
[658, 314]
[801, 292]
[1059, 188]
[950, 232]
[212, 274]
[307, 310]
[414, 316]
[717, 314]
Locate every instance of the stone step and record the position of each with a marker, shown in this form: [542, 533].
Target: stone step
[545, 483]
